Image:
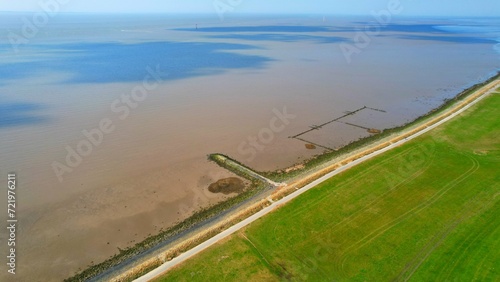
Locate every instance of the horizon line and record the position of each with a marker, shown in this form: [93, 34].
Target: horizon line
[166, 13]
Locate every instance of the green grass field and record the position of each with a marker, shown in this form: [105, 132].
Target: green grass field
[426, 211]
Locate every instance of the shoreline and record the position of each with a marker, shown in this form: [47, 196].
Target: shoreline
[210, 222]
[411, 130]
[327, 158]
[449, 141]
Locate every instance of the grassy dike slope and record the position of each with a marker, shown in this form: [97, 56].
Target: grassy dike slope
[426, 211]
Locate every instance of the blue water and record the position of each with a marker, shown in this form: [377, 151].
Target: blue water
[97, 51]
[19, 114]
[263, 28]
[119, 60]
[450, 39]
[283, 37]
[125, 62]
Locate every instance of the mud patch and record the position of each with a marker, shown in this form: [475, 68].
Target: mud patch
[310, 146]
[227, 186]
[374, 131]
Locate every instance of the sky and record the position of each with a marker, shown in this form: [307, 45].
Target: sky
[352, 7]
